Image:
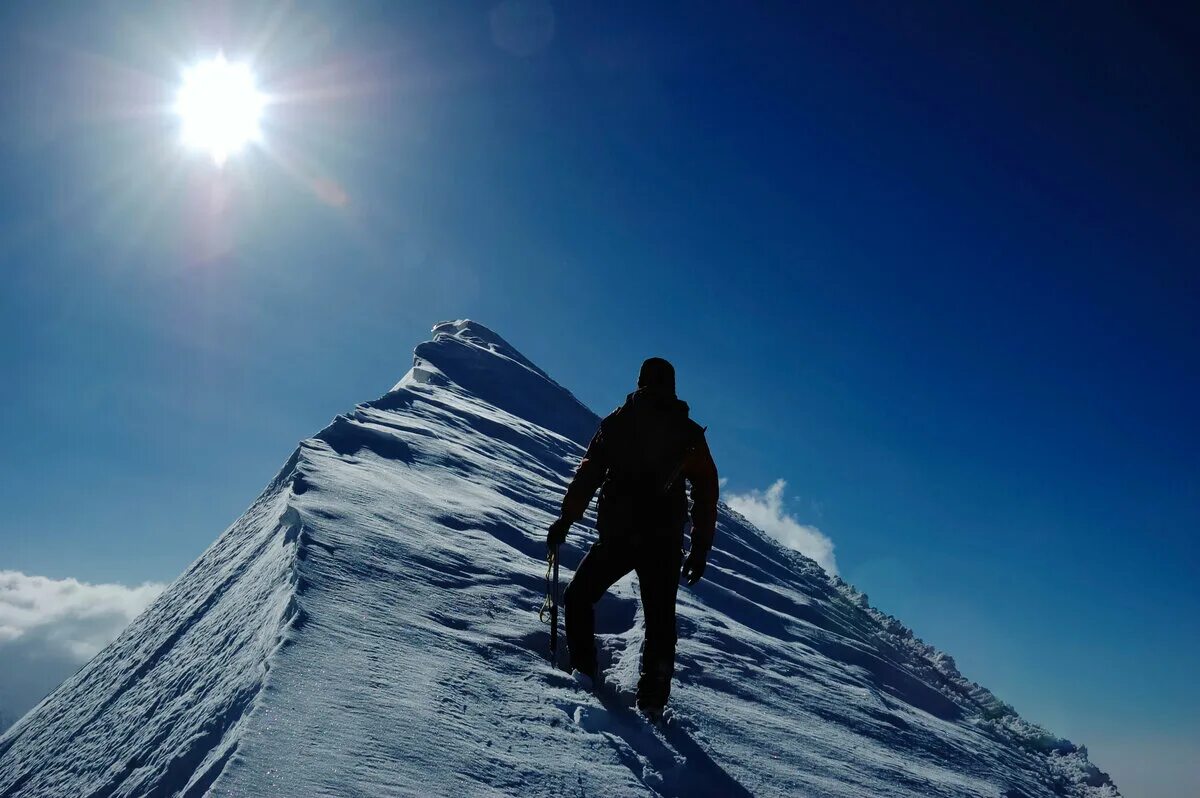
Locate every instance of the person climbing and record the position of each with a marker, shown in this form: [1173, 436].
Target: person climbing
[639, 459]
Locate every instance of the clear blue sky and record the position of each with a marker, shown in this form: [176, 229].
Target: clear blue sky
[936, 266]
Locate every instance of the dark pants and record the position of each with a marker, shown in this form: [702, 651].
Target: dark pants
[657, 564]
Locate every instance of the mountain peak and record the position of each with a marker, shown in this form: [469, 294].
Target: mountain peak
[468, 356]
[476, 334]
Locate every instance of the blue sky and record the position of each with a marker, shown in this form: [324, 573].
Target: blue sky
[935, 266]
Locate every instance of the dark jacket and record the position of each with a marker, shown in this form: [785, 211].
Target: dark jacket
[639, 447]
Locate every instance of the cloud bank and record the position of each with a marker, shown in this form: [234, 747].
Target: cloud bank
[765, 511]
[50, 627]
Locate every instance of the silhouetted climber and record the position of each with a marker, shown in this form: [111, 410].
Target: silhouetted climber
[639, 459]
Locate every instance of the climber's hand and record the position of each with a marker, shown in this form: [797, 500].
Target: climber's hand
[693, 567]
[558, 532]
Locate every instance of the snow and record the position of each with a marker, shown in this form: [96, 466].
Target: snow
[369, 627]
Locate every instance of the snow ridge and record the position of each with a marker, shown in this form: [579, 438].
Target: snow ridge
[467, 356]
[369, 627]
[1066, 760]
[149, 715]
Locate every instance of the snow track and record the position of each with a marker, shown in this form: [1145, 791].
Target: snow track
[369, 628]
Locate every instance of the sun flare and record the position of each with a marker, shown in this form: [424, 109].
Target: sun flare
[219, 107]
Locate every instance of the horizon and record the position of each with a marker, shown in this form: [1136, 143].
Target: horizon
[927, 274]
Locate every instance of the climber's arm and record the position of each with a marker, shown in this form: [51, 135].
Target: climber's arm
[700, 470]
[588, 478]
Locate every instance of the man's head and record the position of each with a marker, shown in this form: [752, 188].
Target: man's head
[657, 376]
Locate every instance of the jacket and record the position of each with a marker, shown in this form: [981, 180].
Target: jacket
[639, 459]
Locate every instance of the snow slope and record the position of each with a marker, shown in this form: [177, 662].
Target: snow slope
[369, 628]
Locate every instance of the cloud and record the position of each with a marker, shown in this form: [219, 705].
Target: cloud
[765, 511]
[50, 627]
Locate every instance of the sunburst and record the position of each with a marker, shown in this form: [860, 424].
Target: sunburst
[220, 108]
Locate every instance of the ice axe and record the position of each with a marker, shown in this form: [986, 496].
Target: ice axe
[551, 602]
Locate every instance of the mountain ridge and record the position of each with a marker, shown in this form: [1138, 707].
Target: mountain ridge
[386, 578]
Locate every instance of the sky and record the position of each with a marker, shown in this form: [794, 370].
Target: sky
[932, 265]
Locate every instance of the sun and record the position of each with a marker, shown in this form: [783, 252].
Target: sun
[219, 107]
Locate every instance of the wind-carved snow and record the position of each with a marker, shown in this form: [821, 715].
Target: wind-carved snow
[369, 628]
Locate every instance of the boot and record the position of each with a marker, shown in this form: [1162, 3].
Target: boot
[654, 688]
[585, 665]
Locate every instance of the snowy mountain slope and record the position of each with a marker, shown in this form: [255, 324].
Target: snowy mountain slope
[369, 627]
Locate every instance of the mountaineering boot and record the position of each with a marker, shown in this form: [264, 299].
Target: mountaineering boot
[583, 664]
[653, 690]
[652, 701]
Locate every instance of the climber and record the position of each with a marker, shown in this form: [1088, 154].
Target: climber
[639, 458]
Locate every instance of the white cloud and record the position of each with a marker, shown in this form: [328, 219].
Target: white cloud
[50, 627]
[765, 511]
